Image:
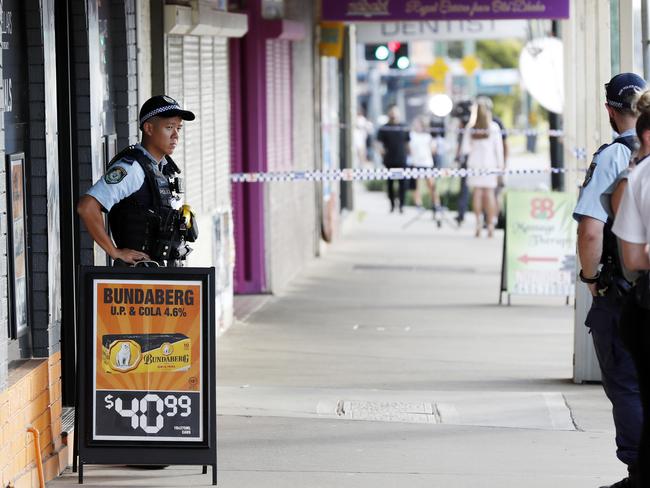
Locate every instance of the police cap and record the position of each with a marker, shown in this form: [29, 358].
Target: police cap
[162, 106]
[621, 87]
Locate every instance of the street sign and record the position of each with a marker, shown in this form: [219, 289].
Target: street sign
[146, 367]
[470, 64]
[438, 70]
[540, 243]
[495, 81]
[388, 10]
[332, 38]
[440, 30]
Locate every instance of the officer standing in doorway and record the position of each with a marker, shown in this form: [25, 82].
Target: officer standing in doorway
[138, 192]
[597, 246]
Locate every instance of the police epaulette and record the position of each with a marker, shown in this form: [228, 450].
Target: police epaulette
[125, 155]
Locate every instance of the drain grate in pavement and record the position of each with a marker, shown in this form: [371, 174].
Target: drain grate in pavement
[514, 410]
[409, 412]
[414, 268]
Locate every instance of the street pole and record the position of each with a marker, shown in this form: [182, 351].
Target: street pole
[555, 144]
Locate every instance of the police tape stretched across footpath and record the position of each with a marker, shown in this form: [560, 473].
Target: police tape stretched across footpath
[441, 130]
[360, 174]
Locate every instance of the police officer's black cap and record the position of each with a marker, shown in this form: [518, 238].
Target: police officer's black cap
[162, 106]
[621, 87]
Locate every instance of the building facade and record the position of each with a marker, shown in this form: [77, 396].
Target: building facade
[250, 75]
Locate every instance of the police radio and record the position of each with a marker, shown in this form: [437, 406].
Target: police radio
[177, 227]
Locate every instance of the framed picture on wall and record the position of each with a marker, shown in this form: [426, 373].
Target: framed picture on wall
[17, 245]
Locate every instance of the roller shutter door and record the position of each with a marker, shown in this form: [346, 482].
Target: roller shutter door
[197, 76]
[174, 85]
[278, 95]
[192, 130]
[221, 182]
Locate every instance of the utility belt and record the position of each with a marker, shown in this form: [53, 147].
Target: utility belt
[612, 285]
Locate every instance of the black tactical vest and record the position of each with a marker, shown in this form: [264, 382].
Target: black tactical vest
[140, 221]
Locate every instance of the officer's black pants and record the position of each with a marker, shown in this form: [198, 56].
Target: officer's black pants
[635, 332]
[619, 376]
[391, 192]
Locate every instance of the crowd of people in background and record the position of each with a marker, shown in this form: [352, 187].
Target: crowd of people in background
[481, 145]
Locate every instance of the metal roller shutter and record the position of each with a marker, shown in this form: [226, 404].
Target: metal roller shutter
[198, 77]
[192, 130]
[174, 85]
[207, 122]
[221, 90]
[278, 95]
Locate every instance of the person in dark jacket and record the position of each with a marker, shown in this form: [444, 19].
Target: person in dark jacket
[394, 139]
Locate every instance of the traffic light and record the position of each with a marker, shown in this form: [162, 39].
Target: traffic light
[401, 58]
[396, 54]
[377, 52]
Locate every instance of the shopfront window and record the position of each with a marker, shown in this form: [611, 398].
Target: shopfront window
[16, 124]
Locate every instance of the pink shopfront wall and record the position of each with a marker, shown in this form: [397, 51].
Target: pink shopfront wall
[261, 107]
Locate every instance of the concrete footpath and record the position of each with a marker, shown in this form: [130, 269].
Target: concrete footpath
[388, 363]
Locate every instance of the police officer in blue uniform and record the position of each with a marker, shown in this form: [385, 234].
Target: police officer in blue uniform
[602, 272]
[138, 192]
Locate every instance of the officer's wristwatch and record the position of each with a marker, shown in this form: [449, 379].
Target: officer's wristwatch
[589, 281]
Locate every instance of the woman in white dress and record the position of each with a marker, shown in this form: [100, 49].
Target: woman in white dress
[484, 149]
[421, 147]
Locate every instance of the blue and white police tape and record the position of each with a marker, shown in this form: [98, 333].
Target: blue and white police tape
[353, 174]
[441, 130]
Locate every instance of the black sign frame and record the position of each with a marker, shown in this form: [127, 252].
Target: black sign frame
[93, 451]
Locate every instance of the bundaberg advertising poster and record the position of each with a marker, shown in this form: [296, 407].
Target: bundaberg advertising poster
[147, 361]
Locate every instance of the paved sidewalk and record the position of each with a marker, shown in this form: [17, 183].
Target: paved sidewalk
[388, 363]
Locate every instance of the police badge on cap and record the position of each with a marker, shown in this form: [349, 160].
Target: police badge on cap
[163, 106]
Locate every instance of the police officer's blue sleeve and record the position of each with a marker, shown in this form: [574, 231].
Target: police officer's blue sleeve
[608, 165]
[606, 197]
[120, 181]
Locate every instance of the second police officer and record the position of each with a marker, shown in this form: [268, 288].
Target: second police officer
[603, 274]
[139, 191]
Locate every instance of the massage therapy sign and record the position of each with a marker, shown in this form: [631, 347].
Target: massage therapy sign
[540, 243]
[147, 361]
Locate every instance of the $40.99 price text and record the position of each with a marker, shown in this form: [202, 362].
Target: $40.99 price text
[140, 414]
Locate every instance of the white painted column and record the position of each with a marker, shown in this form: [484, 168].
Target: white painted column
[587, 59]
[626, 30]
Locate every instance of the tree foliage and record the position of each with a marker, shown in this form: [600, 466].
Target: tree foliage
[499, 54]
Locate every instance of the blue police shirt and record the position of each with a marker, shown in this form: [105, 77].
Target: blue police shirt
[604, 170]
[122, 180]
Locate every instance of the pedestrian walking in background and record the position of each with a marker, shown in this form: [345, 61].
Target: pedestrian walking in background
[422, 149]
[394, 138]
[463, 111]
[632, 228]
[504, 141]
[362, 132]
[597, 246]
[483, 146]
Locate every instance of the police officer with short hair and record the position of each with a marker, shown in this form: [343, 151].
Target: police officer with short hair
[139, 190]
[603, 274]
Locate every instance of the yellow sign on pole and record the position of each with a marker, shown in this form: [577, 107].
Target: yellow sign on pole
[436, 87]
[332, 34]
[470, 64]
[438, 70]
